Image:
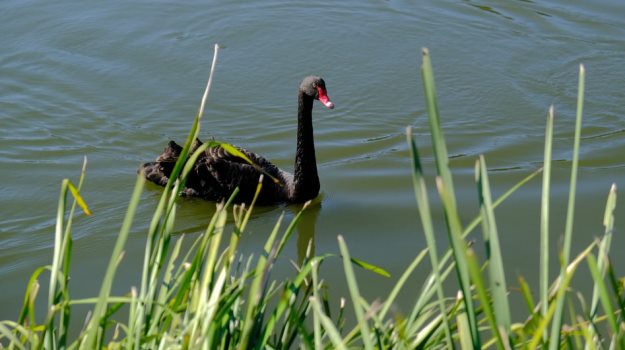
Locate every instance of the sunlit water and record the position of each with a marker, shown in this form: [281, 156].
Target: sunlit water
[115, 81]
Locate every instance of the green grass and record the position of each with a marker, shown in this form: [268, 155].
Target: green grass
[209, 296]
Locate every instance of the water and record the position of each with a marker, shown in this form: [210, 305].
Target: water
[115, 81]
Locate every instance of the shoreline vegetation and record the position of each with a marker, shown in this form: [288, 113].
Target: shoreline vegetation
[210, 297]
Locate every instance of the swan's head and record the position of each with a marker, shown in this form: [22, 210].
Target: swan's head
[315, 87]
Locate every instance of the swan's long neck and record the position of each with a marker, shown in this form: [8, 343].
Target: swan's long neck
[305, 177]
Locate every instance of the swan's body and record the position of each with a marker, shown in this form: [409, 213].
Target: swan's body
[217, 173]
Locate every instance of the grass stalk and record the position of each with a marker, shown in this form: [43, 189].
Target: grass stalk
[328, 325]
[497, 278]
[560, 287]
[568, 230]
[602, 264]
[604, 296]
[95, 329]
[544, 219]
[257, 289]
[605, 244]
[156, 236]
[484, 298]
[446, 192]
[420, 188]
[355, 295]
[316, 317]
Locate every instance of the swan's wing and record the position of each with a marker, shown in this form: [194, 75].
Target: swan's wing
[221, 154]
[230, 171]
[217, 173]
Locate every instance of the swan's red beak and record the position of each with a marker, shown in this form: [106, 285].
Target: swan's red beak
[323, 97]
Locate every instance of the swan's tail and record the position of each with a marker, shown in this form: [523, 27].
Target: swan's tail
[160, 170]
[155, 173]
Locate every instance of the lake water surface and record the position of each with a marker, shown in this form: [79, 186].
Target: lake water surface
[114, 81]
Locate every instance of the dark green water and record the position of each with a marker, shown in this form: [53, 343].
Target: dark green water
[115, 81]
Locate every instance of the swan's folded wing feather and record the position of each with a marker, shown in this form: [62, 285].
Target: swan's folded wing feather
[217, 173]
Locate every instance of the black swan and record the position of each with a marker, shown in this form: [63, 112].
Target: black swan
[217, 173]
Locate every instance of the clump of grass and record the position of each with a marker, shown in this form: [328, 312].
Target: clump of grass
[210, 297]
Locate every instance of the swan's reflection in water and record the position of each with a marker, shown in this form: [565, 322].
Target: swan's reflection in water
[306, 230]
[196, 213]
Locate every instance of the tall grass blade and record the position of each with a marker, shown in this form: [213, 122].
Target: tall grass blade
[570, 213]
[206, 261]
[428, 333]
[605, 244]
[527, 294]
[66, 252]
[370, 267]
[589, 339]
[438, 141]
[355, 295]
[459, 248]
[94, 333]
[418, 183]
[464, 329]
[603, 262]
[328, 325]
[27, 313]
[603, 293]
[447, 194]
[617, 286]
[257, 289]
[195, 128]
[427, 292]
[58, 239]
[426, 295]
[156, 235]
[560, 288]
[316, 317]
[544, 219]
[78, 198]
[209, 309]
[497, 278]
[291, 291]
[483, 297]
[58, 292]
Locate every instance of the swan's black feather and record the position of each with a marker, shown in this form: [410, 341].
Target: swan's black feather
[217, 173]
